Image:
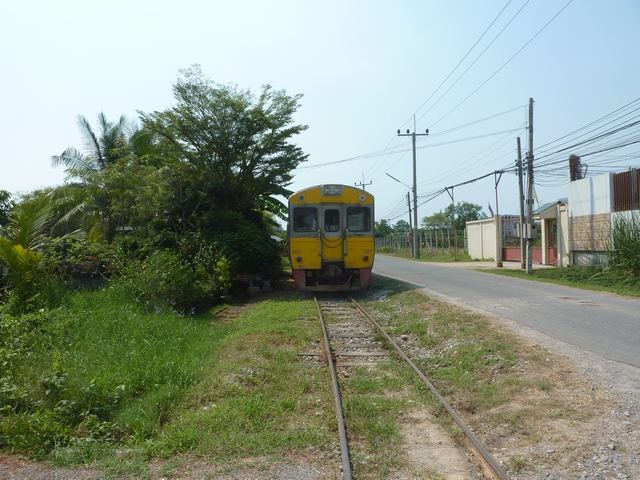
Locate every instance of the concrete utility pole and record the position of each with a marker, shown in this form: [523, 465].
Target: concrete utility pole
[453, 223]
[362, 184]
[410, 222]
[496, 179]
[530, 192]
[413, 135]
[523, 252]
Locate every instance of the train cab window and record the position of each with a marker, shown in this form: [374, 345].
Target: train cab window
[305, 219]
[358, 219]
[332, 220]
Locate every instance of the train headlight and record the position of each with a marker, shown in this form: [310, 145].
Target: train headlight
[365, 258]
[298, 259]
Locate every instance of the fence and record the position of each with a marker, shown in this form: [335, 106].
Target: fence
[626, 190]
[432, 242]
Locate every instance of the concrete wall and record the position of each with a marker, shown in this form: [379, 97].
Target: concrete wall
[590, 206]
[563, 236]
[590, 233]
[591, 195]
[481, 239]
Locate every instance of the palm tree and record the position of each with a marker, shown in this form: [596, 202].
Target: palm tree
[86, 200]
[110, 144]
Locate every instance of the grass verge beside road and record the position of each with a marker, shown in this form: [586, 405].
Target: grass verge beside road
[440, 256]
[589, 278]
[523, 401]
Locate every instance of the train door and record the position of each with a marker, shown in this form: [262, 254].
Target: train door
[332, 232]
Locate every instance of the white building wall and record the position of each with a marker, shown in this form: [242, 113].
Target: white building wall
[563, 236]
[591, 195]
[481, 239]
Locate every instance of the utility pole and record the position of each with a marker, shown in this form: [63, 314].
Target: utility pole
[530, 192]
[410, 222]
[362, 184]
[523, 251]
[413, 135]
[453, 223]
[496, 178]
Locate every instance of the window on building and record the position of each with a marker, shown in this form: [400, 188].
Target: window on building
[305, 219]
[358, 219]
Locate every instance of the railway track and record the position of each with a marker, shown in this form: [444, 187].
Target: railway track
[349, 333]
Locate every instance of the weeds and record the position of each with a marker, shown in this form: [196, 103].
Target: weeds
[625, 251]
[97, 369]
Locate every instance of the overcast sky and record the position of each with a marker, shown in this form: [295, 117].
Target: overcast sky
[364, 67]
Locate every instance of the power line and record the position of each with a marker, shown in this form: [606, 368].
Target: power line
[402, 150]
[505, 63]
[547, 152]
[463, 58]
[593, 139]
[432, 197]
[475, 122]
[374, 169]
[475, 60]
[592, 123]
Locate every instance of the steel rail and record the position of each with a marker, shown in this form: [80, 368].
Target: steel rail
[342, 431]
[488, 461]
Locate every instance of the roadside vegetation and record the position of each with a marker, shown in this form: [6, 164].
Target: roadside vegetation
[589, 278]
[620, 274]
[520, 399]
[438, 234]
[426, 255]
[107, 281]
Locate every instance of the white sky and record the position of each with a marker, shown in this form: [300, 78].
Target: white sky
[364, 68]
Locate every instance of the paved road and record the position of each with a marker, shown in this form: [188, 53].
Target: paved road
[607, 325]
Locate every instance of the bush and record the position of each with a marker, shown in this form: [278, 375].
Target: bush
[32, 288]
[251, 250]
[98, 370]
[164, 280]
[80, 263]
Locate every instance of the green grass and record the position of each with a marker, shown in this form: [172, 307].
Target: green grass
[440, 256]
[589, 278]
[257, 398]
[96, 369]
[100, 375]
[471, 361]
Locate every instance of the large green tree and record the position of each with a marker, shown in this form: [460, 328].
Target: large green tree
[233, 149]
[465, 212]
[401, 226]
[437, 220]
[383, 229]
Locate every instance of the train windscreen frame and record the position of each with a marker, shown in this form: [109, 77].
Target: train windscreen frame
[305, 219]
[359, 219]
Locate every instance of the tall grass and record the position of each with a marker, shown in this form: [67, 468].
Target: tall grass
[625, 248]
[99, 368]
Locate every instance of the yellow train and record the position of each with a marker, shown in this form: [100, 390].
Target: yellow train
[331, 238]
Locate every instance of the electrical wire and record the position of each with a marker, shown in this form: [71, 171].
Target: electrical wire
[475, 60]
[504, 64]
